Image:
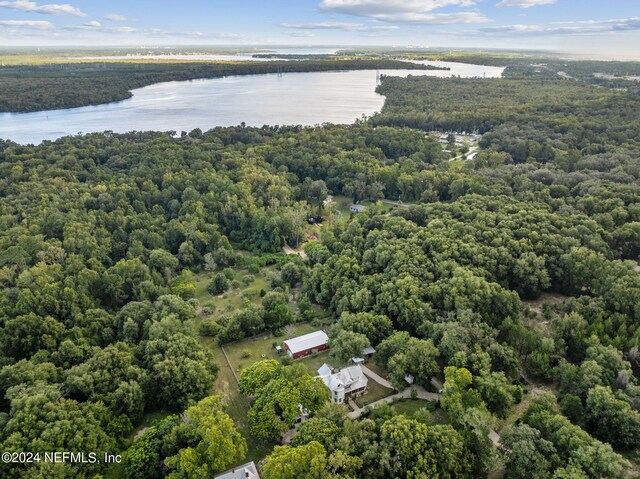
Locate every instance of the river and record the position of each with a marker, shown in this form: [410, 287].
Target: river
[309, 98]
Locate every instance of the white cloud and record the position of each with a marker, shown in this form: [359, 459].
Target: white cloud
[50, 9]
[525, 3]
[434, 18]
[370, 8]
[114, 17]
[589, 27]
[347, 27]
[36, 25]
[302, 34]
[407, 11]
[95, 26]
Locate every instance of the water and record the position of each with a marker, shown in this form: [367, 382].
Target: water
[218, 56]
[290, 99]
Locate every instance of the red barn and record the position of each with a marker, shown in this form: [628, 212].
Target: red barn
[306, 345]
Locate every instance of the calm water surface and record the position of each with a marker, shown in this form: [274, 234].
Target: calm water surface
[290, 99]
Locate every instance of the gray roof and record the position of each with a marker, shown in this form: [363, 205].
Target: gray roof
[308, 341]
[246, 471]
[355, 207]
[348, 379]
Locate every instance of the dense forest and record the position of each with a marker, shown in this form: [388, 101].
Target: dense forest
[113, 245]
[25, 88]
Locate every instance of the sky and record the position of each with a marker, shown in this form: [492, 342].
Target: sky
[593, 28]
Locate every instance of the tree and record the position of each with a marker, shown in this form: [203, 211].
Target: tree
[457, 396]
[25, 335]
[452, 458]
[218, 284]
[407, 442]
[530, 276]
[611, 419]
[286, 462]
[318, 191]
[317, 429]
[254, 378]
[214, 442]
[283, 399]
[574, 445]
[496, 392]
[408, 356]
[376, 327]
[145, 458]
[528, 454]
[27, 373]
[42, 420]
[122, 390]
[276, 311]
[291, 274]
[182, 371]
[162, 261]
[346, 345]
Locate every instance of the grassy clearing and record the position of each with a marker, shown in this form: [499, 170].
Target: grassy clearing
[314, 362]
[409, 407]
[233, 299]
[375, 393]
[237, 404]
[384, 207]
[261, 347]
[380, 371]
[238, 408]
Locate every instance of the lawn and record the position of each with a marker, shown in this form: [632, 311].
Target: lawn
[377, 369]
[238, 407]
[259, 348]
[409, 407]
[314, 362]
[384, 207]
[232, 299]
[244, 353]
[375, 393]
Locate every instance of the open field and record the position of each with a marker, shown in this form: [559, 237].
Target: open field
[412, 406]
[375, 393]
[261, 347]
[232, 299]
[237, 404]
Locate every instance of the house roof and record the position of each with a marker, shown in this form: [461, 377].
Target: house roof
[347, 379]
[246, 471]
[308, 341]
[355, 207]
[368, 350]
[325, 370]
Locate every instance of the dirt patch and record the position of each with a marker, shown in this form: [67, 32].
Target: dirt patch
[289, 250]
[551, 299]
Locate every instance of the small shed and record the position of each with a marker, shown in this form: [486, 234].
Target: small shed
[357, 208]
[306, 345]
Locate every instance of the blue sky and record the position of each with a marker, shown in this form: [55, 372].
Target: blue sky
[609, 29]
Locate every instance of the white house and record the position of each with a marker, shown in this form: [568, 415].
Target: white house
[246, 471]
[343, 383]
[357, 208]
